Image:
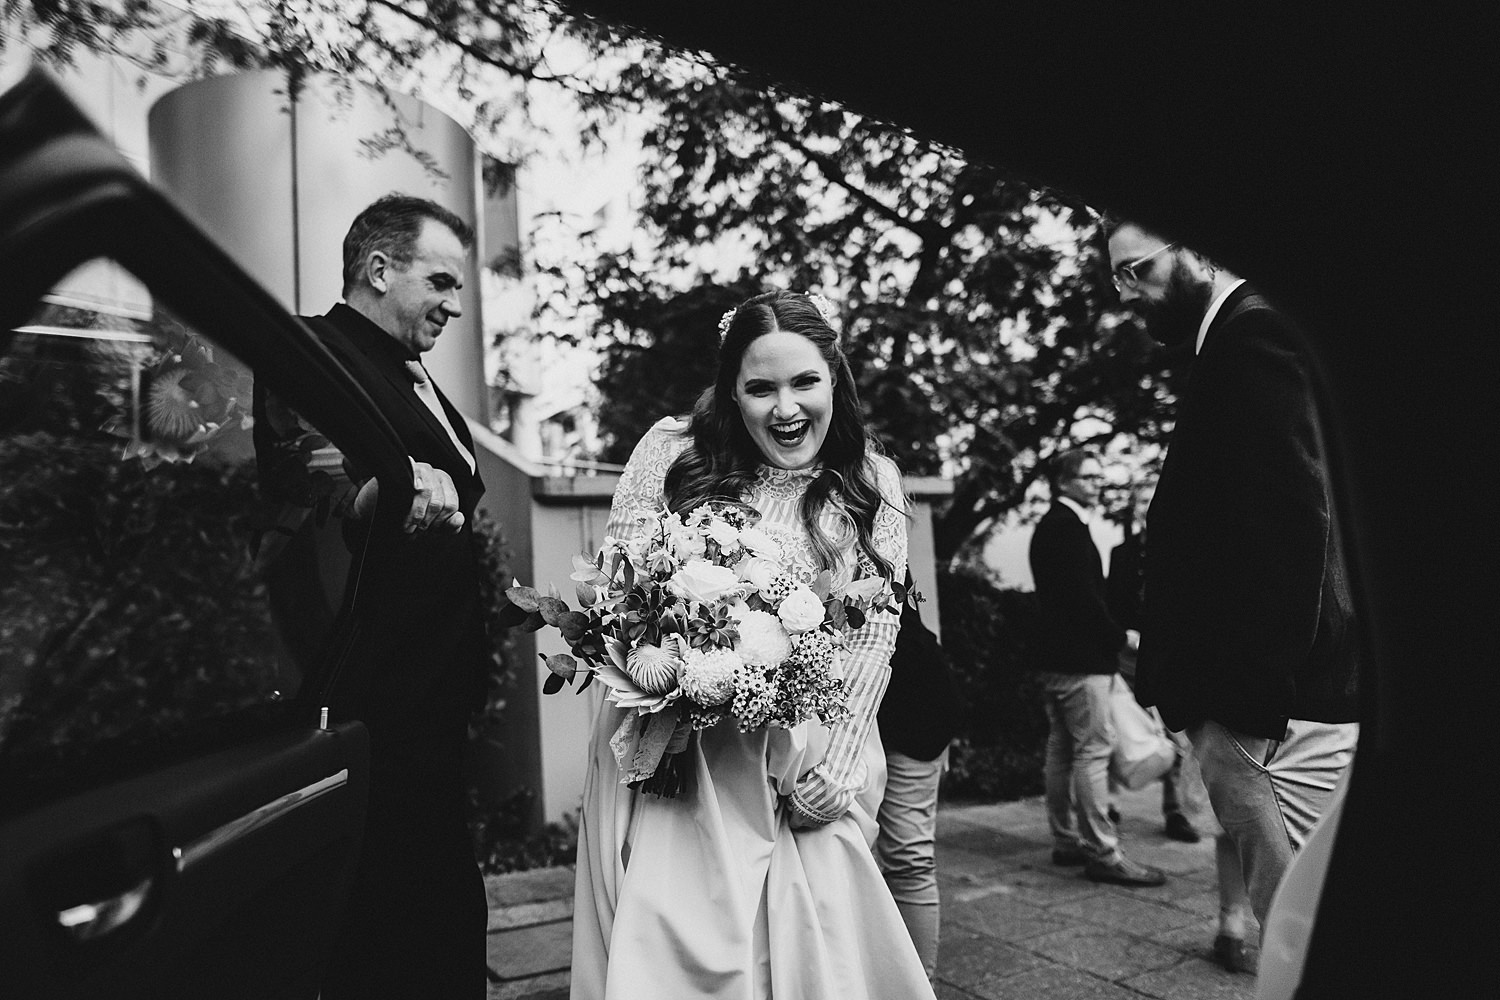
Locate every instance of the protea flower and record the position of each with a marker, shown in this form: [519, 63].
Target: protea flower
[654, 668]
[171, 411]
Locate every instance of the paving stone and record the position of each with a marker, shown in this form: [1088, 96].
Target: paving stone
[1135, 914]
[1204, 901]
[534, 886]
[1038, 888]
[956, 865]
[947, 991]
[1194, 979]
[996, 914]
[550, 986]
[986, 840]
[1026, 818]
[525, 914]
[1171, 856]
[1108, 953]
[530, 951]
[1190, 939]
[1174, 889]
[1056, 982]
[974, 961]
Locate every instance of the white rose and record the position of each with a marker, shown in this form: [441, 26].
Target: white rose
[759, 573]
[724, 533]
[866, 590]
[701, 580]
[760, 543]
[801, 610]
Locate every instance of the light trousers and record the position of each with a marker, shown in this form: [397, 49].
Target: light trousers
[1080, 740]
[905, 847]
[1267, 794]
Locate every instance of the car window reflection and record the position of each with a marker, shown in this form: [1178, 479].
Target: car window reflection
[168, 555]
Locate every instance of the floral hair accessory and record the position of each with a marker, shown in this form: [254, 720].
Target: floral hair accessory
[819, 301]
[825, 309]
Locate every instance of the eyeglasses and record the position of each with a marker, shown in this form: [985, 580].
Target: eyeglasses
[1126, 275]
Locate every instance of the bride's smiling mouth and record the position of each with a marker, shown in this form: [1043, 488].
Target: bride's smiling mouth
[792, 434]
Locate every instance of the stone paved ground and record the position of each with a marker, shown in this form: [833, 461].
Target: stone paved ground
[1015, 927]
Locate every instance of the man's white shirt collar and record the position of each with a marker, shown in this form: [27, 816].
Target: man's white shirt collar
[1213, 310]
[1083, 515]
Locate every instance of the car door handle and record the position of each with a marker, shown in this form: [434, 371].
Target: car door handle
[89, 921]
[103, 884]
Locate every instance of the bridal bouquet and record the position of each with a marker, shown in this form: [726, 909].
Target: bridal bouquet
[693, 621]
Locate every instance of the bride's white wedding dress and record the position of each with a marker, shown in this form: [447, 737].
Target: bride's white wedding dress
[713, 894]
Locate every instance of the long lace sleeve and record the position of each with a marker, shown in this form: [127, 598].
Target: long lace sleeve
[639, 493]
[828, 790]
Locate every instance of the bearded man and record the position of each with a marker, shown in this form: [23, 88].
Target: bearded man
[1247, 635]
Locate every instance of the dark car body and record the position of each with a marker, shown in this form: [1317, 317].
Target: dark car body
[176, 817]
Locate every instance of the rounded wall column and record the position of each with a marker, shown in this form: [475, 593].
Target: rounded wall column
[277, 181]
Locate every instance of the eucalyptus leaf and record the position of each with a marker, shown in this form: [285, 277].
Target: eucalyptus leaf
[525, 598]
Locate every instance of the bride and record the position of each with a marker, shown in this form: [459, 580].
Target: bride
[758, 881]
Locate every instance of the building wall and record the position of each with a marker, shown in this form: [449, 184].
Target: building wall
[276, 181]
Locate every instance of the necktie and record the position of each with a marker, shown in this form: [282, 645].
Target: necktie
[422, 383]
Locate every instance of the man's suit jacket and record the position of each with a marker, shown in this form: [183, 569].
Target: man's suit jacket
[1248, 619]
[1076, 634]
[418, 662]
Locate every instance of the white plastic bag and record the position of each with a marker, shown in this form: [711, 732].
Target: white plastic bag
[1143, 750]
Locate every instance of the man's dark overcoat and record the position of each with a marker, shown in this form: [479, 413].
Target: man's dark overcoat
[1076, 633]
[1248, 619]
[415, 672]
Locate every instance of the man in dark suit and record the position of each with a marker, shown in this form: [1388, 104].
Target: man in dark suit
[417, 913]
[1248, 640]
[1078, 648]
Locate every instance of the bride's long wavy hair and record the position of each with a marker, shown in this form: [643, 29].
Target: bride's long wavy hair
[721, 464]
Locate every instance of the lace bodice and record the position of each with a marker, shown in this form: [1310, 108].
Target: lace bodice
[828, 790]
[777, 495]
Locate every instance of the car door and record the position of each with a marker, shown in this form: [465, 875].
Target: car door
[176, 816]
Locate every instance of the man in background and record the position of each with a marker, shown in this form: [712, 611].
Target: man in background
[1078, 649]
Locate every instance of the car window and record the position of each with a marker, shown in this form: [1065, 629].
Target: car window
[170, 560]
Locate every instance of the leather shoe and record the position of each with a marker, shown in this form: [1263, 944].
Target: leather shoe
[1179, 828]
[1068, 857]
[1123, 871]
[1231, 953]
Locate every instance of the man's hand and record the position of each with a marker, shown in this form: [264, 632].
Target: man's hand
[434, 505]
